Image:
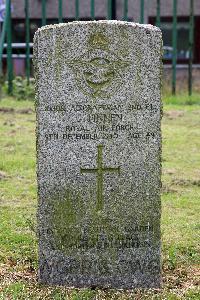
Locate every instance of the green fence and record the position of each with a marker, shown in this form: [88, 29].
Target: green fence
[6, 33]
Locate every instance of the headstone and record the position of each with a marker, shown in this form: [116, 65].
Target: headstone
[99, 153]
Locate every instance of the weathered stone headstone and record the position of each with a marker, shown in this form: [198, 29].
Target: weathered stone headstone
[98, 153]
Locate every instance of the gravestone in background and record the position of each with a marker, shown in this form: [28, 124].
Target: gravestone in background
[98, 153]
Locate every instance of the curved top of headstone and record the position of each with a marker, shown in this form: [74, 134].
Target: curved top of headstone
[148, 27]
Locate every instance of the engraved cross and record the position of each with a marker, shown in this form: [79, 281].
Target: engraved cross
[99, 171]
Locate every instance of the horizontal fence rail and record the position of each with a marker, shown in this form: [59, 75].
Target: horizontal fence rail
[111, 8]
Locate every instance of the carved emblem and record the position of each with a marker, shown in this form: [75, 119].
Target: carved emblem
[99, 71]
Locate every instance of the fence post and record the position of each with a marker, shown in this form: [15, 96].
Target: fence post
[174, 44]
[158, 13]
[60, 8]
[141, 11]
[9, 50]
[109, 9]
[125, 17]
[191, 42]
[77, 9]
[2, 40]
[92, 9]
[43, 12]
[27, 41]
[3, 35]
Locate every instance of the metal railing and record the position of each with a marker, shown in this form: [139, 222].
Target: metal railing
[6, 34]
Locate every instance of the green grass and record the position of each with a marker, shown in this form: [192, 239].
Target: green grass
[182, 99]
[180, 206]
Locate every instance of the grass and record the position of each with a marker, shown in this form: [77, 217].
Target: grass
[180, 205]
[182, 99]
